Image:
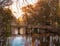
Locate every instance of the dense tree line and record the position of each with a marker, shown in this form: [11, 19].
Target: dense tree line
[5, 20]
[43, 13]
[5, 24]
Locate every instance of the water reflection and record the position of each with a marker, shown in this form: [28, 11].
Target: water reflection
[51, 40]
[16, 41]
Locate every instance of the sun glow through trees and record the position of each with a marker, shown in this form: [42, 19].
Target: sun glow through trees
[18, 4]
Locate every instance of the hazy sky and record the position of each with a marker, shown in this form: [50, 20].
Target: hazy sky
[24, 2]
[18, 4]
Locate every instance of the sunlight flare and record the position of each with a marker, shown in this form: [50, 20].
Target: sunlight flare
[18, 4]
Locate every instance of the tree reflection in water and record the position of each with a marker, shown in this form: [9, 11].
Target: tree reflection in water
[17, 41]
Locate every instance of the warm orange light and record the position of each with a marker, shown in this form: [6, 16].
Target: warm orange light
[17, 12]
[18, 4]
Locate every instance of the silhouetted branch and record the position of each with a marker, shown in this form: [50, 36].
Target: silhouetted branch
[5, 3]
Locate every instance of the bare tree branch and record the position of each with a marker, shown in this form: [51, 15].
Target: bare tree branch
[5, 3]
